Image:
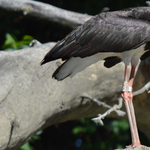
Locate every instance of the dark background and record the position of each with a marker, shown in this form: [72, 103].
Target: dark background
[81, 134]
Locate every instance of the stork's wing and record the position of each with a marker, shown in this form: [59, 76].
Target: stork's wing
[142, 13]
[107, 32]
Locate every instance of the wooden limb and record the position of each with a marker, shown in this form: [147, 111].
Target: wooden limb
[45, 11]
[145, 88]
[30, 100]
[111, 109]
[115, 107]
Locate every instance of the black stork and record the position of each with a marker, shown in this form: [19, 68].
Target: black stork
[111, 36]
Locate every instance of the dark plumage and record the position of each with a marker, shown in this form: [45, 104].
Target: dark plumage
[110, 36]
[106, 32]
[116, 32]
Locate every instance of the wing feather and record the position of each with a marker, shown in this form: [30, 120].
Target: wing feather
[107, 32]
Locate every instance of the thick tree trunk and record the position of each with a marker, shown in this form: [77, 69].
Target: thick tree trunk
[31, 100]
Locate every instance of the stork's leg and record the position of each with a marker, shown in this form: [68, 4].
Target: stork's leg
[128, 98]
[125, 83]
[134, 132]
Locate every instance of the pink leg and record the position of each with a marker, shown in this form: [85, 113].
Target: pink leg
[128, 98]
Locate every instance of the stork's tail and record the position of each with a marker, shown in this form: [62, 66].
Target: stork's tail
[72, 66]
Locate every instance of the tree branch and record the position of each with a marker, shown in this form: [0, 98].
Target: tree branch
[116, 107]
[45, 11]
[111, 109]
[145, 88]
[31, 99]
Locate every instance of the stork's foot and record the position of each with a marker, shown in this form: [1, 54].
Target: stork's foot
[142, 147]
[135, 145]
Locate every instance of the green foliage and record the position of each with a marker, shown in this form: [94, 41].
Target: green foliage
[102, 137]
[12, 42]
[83, 134]
[119, 126]
[87, 127]
[37, 136]
[27, 146]
[79, 129]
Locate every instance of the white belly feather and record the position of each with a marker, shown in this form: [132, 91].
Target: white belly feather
[77, 64]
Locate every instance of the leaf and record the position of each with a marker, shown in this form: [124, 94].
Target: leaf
[10, 41]
[24, 42]
[124, 125]
[27, 37]
[78, 130]
[26, 146]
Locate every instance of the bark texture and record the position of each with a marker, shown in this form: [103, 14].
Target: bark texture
[31, 100]
[43, 11]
